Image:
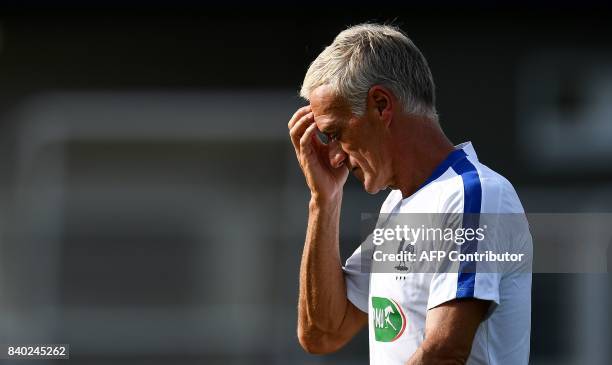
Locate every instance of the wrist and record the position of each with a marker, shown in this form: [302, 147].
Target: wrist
[325, 201]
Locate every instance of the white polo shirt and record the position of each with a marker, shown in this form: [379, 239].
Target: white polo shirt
[398, 305]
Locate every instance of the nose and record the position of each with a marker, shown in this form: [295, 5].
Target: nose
[336, 155]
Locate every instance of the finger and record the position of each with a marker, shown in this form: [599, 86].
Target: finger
[298, 129]
[306, 139]
[300, 126]
[298, 115]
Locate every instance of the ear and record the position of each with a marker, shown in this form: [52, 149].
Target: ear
[380, 103]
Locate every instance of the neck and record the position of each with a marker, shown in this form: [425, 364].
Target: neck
[419, 150]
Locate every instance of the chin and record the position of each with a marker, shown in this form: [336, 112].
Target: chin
[371, 188]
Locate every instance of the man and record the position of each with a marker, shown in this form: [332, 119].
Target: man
[371, 94]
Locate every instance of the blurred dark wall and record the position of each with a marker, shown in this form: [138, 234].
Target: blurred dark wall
[475, 55]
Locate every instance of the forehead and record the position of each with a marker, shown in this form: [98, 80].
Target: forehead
[327, 108]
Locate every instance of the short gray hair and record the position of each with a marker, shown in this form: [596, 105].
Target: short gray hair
[372, 54]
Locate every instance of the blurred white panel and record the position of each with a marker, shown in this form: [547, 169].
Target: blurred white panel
[54, 117]
[218, 115]
[564, 111]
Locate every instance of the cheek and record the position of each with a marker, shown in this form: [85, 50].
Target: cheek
[361, 156]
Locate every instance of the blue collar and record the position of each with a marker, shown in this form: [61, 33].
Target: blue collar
[449, 161]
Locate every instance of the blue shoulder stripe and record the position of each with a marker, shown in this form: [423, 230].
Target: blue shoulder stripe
[449, 161]
[472, 199]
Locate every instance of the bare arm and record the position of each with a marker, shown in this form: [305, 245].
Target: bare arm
[449, 332]
[326, 319]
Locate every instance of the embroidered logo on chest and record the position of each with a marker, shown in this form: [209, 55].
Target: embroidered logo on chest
[388, 319]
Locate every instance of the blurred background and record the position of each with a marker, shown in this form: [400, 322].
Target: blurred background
[151, 209]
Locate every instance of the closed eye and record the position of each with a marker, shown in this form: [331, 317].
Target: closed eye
[323, 137]
[327, 138]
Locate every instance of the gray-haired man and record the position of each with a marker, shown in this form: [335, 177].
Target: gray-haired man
[372, 93]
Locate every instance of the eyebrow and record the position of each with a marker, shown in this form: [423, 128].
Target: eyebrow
[329, 127]
[328, 130]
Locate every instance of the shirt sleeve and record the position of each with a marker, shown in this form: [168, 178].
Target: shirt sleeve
[448, 286]
[357, 279]
[461, 280]
[506, 233]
